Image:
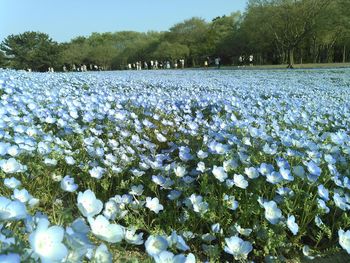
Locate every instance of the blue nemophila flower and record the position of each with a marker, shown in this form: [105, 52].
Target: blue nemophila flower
[67, 184]
[12, 182]
[169, 257]
[240, 181]
[97, 172]
[266, 169]
[341, 202]
[10, 258]
[103, 229]
[180, 171]
[21, 195]
[102, 254]
[344, 239]
[219, 173]
[230, 164]
[230, 202]
[88, 204]
[155, 245]
[274, 177]
[322, 205]
[69, 160]
[323, 192]
[202, 155]
[3, 148]
[46, 242]
[299, 171]
[11, 210]
[293, 227]
[286, 174]
[132, 238]
[175, 240]
[11, 166]
[272, 213]
[136, 190]
[197, 203]
[313, 168]
[153, 204]
[251, 172]
[238, 247]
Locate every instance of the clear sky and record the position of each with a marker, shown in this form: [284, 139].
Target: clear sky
[66, 19]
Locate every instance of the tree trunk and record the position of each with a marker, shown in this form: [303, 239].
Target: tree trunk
[290, 57]
[344, 54]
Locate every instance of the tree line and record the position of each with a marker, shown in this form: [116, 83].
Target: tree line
[273, 31]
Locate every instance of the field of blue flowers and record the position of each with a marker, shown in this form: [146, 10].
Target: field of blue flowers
[177, 166]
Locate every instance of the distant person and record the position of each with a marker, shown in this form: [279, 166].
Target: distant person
[175, 65]
[240, 60]
[205, 63]
[217, 62]
[64, 68]
[182, 62]
[156, 64]
[145, 65]
[168, 65]
[152, 64]
[251, 58]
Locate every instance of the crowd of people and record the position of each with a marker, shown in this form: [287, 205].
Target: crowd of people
[155, 64]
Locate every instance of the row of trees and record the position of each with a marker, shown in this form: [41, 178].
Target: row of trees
[274, 31]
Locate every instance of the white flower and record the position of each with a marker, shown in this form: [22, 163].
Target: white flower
[46, 242]
[238, 247]
[102, 229]
[219, 173]
[88, 204]
[153, 204]
[180, 171]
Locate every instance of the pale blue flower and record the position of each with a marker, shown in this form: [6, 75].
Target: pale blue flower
[88, 204]
[102, 254]
[293, 227]
[323, 192]
[238, 247]
[11, 166]
[313, 168]
[274, 177]
[46, 242]
[240, 181]
[67, 184]
[21, 195]
[132, 238]
[322, 205]
[153, 204]
[219, 173]
[251, 172]
[97, 172]
[12, 183]
[103, 229]
[180, 171]
[272, 213]
[344, 239]
[12, 210]
[155, 245]
[10, 258]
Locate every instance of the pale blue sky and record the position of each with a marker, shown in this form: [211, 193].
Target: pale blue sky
[66, 19]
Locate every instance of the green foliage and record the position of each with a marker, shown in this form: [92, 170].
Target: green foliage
[31, 50]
